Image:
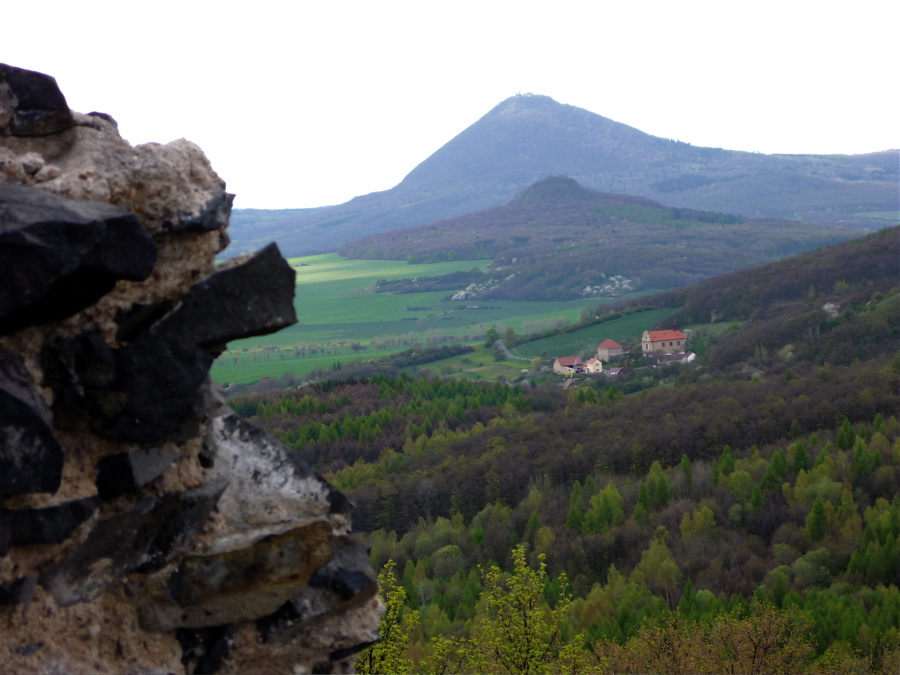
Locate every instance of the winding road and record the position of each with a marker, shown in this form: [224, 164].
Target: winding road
[509, 355]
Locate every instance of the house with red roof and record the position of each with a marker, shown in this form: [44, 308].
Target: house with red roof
[593, 365]
[563, 365]
[608, 349]
[656, 342]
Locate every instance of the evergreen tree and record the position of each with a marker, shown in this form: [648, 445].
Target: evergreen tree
[775, 472]
[576, 511]
[815, 522]
[642, 508]
[663, 491]
[846, 435]
[687, 475]
[800, 459]
[756, 501]
[726, 461]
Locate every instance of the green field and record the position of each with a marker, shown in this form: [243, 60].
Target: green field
[337, 308]
[584, 342]
[479, 365]
[714, 328]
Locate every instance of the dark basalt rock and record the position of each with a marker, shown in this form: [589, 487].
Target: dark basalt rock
[132, 398]
[58, 255]
[348, 573]
[341, 654]
[5, 533]
[346, 583]
[142, 540]
[346, 580]
[104, 116]
[139, 318]
[34, 104]
[214, 216]
[28, 650]
[76, 367]
[31, 459]
[181, 515]
[17, 592]
[125, 393]
[50, 525]
[155, 400]
[238, 586]
[204, 649]
[126, 472]
[255, 297]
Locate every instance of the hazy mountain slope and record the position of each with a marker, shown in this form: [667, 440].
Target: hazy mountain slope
[559, 240]
[526, 138]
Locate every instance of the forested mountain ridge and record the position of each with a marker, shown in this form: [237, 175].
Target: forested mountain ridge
[833, 305]
[526, 138]
[557, 240]
[766, 474]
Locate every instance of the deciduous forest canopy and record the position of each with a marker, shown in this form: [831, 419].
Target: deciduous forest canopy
[750, 498]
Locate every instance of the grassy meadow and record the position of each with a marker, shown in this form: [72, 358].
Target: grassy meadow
[341, 318]
[584, 342]
[479, 365]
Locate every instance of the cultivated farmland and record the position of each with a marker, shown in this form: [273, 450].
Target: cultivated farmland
[341, 318]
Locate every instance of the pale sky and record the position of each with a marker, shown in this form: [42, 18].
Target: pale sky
[308, 103]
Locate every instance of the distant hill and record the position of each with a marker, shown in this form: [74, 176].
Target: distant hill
[526, 138]
[559, 240]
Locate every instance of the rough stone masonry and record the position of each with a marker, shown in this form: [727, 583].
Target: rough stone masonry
[144, 528]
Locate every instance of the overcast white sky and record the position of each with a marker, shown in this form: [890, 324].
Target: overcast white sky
[307, 103]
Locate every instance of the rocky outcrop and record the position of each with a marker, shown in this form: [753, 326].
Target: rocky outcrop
[143, 526]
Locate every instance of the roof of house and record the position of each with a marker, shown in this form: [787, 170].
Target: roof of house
[569, 360]
[657, 335]
[609, 344]
[593, 359]
[613, 371]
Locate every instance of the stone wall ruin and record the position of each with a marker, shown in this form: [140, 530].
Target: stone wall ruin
[144, 528]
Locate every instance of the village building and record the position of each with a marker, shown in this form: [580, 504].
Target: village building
[563, 365]
[656, 342]
[593, 365]
[608, 349]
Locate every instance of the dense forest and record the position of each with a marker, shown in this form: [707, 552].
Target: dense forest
[741, 514]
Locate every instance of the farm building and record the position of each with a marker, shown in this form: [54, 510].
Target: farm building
[608, 349]
[563, 365]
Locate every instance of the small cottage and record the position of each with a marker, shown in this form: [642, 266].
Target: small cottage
[608, 349]
[563, 365]
[593, 365]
